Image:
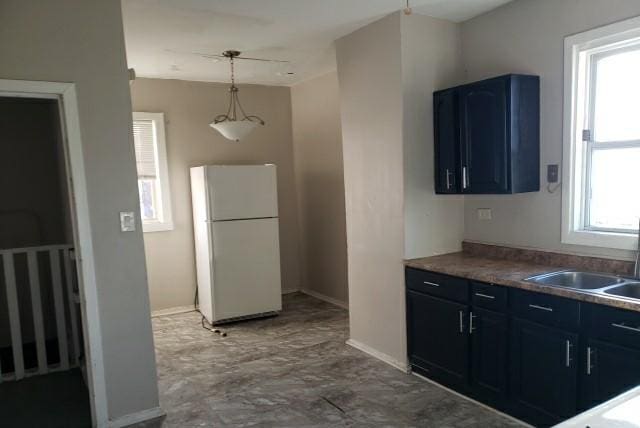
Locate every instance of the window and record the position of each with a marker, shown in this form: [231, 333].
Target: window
[153, 175]
[601, 201]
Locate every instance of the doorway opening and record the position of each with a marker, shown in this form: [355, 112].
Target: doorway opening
[43, 376]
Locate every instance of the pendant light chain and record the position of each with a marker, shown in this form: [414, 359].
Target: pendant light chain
[233, 89]
[234, 102]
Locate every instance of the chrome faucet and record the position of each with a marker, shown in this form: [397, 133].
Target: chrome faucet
[636, 268]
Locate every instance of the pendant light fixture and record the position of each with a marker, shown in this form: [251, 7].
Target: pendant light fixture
[230, 125]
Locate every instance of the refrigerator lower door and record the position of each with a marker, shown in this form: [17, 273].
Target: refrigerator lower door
[246, 268]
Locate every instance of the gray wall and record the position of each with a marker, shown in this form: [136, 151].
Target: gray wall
[189, 107]
[317, 147]
[392, 211]
[431, 59]
[81, 41]
[527, 36]
[371, 111]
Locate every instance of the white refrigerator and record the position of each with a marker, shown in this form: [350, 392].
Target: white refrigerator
[235, 216]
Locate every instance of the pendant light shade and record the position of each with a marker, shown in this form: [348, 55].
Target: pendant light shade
[234, 130]
[229, 125]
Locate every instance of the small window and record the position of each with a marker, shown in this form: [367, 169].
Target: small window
[153, 175]
[601, 207]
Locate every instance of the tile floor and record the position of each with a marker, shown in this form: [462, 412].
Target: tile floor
[294, 370]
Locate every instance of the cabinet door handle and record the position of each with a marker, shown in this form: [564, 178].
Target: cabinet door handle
[589, 365]
[542, 308]
[471, 327]
[448, 178]
[464, 177]
[626, 327]
[485, 296]
[568, 351]
[461, 313]
[433, 284]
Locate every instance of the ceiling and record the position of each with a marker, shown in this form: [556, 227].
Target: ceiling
[162, 35]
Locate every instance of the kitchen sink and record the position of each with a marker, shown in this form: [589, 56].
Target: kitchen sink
[629, 289]
[577, 280]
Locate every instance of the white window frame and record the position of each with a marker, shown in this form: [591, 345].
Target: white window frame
[166, 223]
[576, 79]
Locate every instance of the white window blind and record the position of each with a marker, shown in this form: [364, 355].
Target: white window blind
[153, 173]
[144, 137]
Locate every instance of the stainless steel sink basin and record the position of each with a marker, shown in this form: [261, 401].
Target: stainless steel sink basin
[630, 290]
[577, 280]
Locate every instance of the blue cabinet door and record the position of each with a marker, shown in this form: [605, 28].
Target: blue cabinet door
[438, 339]
[485, 136]
[543, 373]
[609, 370]
[489, 356]
[447, 141]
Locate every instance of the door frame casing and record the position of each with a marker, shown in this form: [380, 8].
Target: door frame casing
[65, 94]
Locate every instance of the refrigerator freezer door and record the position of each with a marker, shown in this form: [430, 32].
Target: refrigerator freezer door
[242, 192]
[246, 268]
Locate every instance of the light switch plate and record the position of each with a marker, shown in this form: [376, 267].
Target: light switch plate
[127, 221]
[484, 214]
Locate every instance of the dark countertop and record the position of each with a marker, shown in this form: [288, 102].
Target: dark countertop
[510, 273]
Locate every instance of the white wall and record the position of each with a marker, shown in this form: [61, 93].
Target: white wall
[317, 147]
[81, 41]
[527, 36]
[431, 60]
[392, 210]
[371, 111]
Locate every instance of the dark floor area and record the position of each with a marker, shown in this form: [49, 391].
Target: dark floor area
[56, 400]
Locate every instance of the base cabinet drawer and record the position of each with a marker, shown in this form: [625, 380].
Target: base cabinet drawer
[544, 373]
[613, 325]
[546, 309]
[438, 339]
[489, 296]
[435, 284]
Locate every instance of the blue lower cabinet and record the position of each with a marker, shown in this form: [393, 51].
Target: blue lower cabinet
[543, 373]
[438, 340]
[538, 357]
[608, 370]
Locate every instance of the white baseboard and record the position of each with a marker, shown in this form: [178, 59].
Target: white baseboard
[173, 311]
[504, 415]
[136, 418]
[379, 355]
[327, 299]
[190, 308]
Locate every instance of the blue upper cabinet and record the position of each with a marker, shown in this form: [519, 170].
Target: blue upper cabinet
[491, 130]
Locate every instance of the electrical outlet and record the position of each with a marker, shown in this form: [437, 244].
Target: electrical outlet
[552, 173]
[484, 214]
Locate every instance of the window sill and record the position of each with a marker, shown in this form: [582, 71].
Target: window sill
[148, 227]
[591, 238]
